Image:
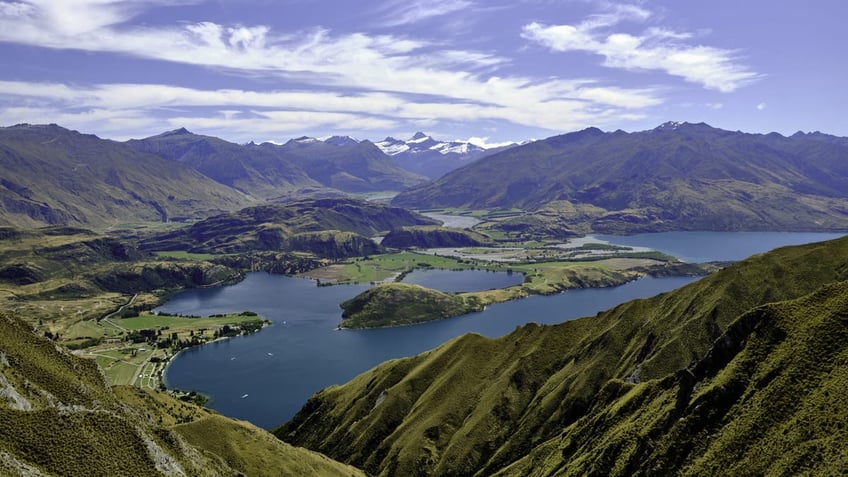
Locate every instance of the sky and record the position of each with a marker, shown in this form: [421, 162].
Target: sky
[491, 71]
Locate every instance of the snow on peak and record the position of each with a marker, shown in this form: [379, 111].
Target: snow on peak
[455, 147]
[340, 140]
[670, 125]
[419, 138]
[391, 146]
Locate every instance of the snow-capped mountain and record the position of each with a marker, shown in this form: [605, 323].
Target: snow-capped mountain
[427, 156]
[341, 141]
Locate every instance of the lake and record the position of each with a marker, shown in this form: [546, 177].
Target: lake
[459, 281]
[267, 377]
[697, 247]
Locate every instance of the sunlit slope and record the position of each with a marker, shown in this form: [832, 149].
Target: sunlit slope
[675, 177]
[52, 175]
[549, 399]
[58, 417]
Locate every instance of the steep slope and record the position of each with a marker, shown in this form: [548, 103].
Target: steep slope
[252, 170]
[768, 399]
[350, 167]
[678, 176]
[653, 386]
[424, 155]
[58, 417]
[303, 225]
[433, 236]
[55, 176]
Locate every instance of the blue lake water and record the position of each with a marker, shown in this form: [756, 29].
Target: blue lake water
[697, 247]
[266, 378]
[463, 280]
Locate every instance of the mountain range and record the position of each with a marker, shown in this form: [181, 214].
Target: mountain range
[55, 176]
[269, 170]
[678, 176]
[432, 158]
[51, 175]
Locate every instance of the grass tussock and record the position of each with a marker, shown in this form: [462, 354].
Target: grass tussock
[59, 417]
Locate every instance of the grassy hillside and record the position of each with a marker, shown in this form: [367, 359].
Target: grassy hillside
[251, 170]
[360, 167]
[433, 237]
[675, 177]
[55, 176]
[271, 170]
[291, 226]
[396, 304]
[58, 417]
[59, 277]
[700, 380]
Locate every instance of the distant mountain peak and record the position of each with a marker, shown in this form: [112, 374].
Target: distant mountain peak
[684, 126]
[177, 132]
[418, 135]
[341, 141]
[669, 125]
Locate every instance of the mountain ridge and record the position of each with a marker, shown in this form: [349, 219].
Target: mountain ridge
[433, 158]
[55, 176]
[679, 176]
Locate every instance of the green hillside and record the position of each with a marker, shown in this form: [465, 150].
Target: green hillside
[289, 170]
[305, 225]
[433, 237]
[252, 170]
[396, 304]
[360, 167]
[59, 177]
[675, 177]
[739, 372]
[58, 417]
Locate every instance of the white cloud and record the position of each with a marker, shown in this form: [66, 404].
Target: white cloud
[484, 142]
[761, 106]
[655, 49]
[715, 105]
[404, 12]
[393, 79]
[557, 106]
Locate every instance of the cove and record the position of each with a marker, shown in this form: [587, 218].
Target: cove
[267, 377]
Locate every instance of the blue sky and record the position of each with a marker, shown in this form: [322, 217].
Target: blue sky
[494, 70]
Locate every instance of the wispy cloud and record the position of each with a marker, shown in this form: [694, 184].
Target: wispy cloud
[654, 49]
[376, 79]
[403, 12]
[566, 106]
[761, 106]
